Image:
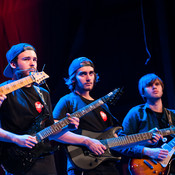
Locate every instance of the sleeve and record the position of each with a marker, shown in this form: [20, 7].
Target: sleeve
[131, 122]
[130, 126]
[60, 109]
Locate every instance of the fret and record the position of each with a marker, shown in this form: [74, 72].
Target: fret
[34, 77]
[81, 112]
[128, 139]
[15, 85]
[62, 123]
[55, 128]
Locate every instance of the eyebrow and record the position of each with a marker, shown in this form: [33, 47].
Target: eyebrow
[29, 57]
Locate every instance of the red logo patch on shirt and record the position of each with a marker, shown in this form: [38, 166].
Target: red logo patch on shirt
[38, 106]
[103, 116]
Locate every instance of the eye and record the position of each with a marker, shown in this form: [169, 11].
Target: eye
[157, 83]
[91, 73]
[26, 58]
[35, 59]
[149, 84]
[82, 73]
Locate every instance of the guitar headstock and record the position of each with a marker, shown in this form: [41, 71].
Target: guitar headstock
[38, 77]
[113, 96]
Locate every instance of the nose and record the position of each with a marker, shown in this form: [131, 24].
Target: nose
[32, 62]
[154, 86]
[88, 76]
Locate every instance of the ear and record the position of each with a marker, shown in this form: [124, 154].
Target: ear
[13, 65]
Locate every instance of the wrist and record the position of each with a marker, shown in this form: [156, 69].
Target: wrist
[146, 151]
[13, 138]
[86, 141]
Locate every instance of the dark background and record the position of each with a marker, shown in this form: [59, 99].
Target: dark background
[117, 35]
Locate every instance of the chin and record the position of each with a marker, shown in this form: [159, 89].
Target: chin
[88, 89]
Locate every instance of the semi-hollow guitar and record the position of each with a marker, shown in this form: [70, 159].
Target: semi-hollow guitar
[151, 166]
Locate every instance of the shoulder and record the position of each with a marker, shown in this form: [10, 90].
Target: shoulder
[137, 108]
[70, 100]
[172, 111]
[69, 97]
[134, 113]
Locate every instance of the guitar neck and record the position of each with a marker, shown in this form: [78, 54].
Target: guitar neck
[8, 88]
[129, 139]
[56, 127]
[171, 143]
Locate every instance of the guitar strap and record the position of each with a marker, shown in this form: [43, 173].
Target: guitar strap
[168, 114]
[115, 119]
[43, 101]
[42, 98]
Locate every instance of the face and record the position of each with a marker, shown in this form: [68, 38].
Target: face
[153, 90]
[85, 77]
[26, 61]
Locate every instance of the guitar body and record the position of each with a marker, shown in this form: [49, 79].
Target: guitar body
[18, 160]
[85, 159]
[146, 167]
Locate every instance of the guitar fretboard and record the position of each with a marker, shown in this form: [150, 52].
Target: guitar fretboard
[8, 88]
[124, 140]
[56, 127]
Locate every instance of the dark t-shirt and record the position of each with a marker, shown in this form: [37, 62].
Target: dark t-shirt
[21, 112]
[21, 108]
[97, 120]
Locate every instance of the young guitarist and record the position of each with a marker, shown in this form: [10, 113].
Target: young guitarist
[21, 109]
[81, 80]
[146, 116]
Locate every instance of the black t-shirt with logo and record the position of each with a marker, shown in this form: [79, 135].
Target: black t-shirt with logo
[21, 109]
[20, 113]
[98, 119]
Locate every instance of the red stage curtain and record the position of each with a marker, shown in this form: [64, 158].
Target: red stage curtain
[20, 21]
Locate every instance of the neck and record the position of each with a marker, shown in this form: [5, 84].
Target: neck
[85, 94]
[155, 105]
[15, 78]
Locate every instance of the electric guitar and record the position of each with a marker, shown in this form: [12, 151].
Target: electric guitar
[151, 166]
[86, 160]
[34, 77]
[18, 160]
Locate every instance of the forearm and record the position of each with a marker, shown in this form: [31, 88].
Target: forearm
[7, 136]
[131, 151]
[72, 138]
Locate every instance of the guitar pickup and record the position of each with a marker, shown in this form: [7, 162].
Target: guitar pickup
[148, 164]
